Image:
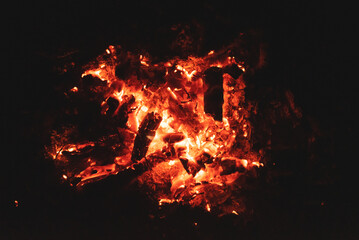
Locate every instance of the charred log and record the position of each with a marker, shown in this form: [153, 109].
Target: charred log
[213, 96]
[146, 133]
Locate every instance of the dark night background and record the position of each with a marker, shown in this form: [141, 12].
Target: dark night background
[310, 51]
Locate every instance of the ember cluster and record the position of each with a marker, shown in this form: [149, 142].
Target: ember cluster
[182, 126]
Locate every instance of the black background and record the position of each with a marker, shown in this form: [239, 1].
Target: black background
[311, 51]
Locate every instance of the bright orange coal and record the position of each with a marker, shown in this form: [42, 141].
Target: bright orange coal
[184, 122]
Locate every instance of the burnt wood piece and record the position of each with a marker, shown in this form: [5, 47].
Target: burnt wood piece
[213, 96]
[230, 166]
[126, 105]
[125, 176]
[184, 114]
[204, 158]
[124, 70]
[233, 70]
[112, 105]
[121, 114]
[146, 133]
[191, 167]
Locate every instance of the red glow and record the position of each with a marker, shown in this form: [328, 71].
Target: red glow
[198, 145]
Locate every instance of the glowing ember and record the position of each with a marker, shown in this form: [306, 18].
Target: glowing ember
[74, 89]
[183, 122]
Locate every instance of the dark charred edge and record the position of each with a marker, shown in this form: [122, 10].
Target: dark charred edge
[229, 166]
[191, 167]
[121, 113]
[233, 70]
[146, 133]
[125, 107]
[213, 96]
[112, 105]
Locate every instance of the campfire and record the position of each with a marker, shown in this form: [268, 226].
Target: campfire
[181, 126]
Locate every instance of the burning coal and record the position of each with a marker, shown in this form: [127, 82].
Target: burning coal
[181, 125]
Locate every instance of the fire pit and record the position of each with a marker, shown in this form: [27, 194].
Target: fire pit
[181, 126]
